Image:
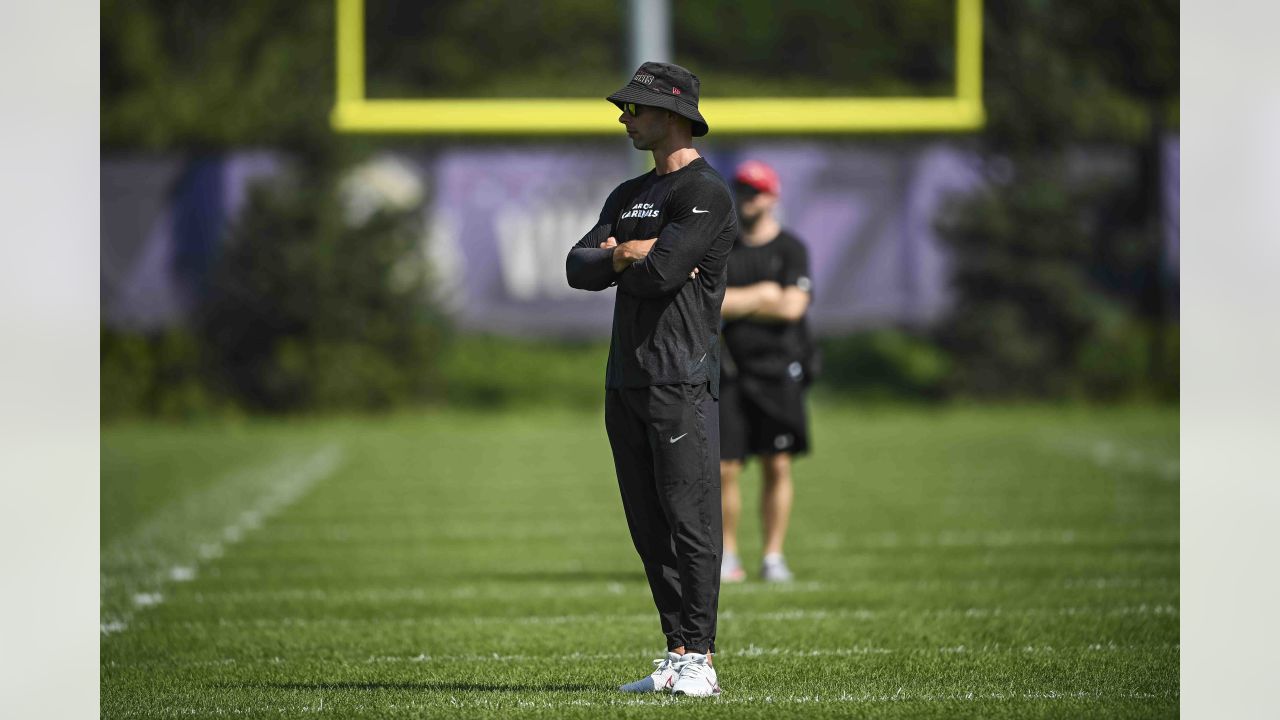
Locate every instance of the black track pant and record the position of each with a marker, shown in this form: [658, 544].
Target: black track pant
[666, 450]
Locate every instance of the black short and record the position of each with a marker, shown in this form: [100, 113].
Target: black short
[762, 416]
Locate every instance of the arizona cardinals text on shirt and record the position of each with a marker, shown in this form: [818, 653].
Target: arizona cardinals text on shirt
[640, 210]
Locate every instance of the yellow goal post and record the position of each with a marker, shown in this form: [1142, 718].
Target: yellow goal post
[355, 113]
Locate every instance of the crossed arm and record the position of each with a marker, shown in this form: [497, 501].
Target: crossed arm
[765, 301]
[662, 265]
[592, 268]
[631, 252]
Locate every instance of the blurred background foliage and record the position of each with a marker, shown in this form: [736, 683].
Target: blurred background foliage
[183, 74]
[316, 306]
[1059, 283]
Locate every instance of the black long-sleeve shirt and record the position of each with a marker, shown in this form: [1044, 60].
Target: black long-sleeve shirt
[665, 325]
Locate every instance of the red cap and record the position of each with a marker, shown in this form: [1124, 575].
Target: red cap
[759, 176]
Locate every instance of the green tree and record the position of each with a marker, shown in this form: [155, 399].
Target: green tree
[311, 309]
[1059, 271]
[183, 74]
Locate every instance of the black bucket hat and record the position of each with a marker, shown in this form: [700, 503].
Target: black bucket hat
[666, 86]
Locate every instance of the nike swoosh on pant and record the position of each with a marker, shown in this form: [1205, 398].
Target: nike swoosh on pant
[675, 439]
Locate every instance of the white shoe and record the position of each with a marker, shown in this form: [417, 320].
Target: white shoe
[775, 569]
[696, 677]
[731, 569]
[660, 680]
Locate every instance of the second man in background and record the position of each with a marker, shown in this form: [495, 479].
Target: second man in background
[765, 367]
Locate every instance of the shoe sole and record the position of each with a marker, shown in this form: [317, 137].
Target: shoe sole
[715, 692]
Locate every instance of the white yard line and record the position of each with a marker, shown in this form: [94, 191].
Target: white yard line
[756, 651]
[170, 547]
[1111, 455]
[1025, 538]
[902, 695]
[640, 655]
[497, 701]
[395, 531]
[859, 614]
[447, 591]
[504, 591]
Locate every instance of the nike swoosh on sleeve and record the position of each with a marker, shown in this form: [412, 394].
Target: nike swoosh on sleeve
[696, 210]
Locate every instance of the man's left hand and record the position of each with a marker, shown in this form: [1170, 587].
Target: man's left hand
[632, 251]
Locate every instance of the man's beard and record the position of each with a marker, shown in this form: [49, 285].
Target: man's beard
[749, 223]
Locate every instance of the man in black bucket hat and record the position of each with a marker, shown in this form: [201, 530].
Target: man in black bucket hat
[663, 239]
[665, 86]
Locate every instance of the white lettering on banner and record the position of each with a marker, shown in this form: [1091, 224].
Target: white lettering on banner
[447, 263]
[533, 243]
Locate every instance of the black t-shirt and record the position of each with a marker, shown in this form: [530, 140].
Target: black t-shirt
[665, 325]
[768, 349]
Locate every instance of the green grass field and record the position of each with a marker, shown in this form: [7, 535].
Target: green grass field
[1013, 562]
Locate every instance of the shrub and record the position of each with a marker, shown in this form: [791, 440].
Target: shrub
[485, 371]
[160, 374]
[1040, 309]
[315, 307]
[885, 364]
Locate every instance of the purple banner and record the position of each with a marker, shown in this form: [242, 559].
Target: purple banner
[503, 221]
[500, 219]
[162, 221]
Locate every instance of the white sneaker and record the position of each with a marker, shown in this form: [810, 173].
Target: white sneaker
[660, 680]
[731, 569]
[696, 677]
[775, 569]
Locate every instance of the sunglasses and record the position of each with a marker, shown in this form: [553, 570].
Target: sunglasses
[630, 108]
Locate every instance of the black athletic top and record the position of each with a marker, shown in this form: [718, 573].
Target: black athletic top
[665, 326]
[768, 349]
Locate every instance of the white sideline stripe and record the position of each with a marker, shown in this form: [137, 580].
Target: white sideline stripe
[428, 530]
[505, 591]
[1143, 609]
[170, 546]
